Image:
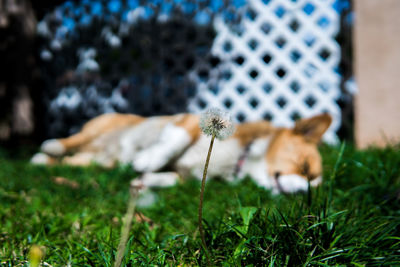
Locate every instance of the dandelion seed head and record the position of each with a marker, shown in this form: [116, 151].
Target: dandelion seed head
[216, 122]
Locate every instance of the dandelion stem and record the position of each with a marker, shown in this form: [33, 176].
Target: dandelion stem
[203, 183]
[126, 226]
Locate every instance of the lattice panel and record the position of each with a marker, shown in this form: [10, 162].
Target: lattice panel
[281, 64]
[278, 63]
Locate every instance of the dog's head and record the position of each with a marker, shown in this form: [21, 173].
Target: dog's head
[293, 158]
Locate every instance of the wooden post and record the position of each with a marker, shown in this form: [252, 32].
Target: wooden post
[377, 68]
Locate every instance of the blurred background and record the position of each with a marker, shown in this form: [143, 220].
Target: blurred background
[65, 62]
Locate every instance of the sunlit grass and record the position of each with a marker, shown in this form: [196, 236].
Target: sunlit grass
[244, 225]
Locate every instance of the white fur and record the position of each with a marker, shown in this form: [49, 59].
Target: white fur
[316, 182]
[161, 179]
[259, 147]
[257, 169]
[293, 183]
[172, 141]
[139, 137]
[104, 149]
[224, 157]
[53, 147]
[255, 164]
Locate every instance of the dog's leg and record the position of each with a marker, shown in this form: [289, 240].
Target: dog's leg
[92, 129]
[79, 159]
[173, 140]
[58, 147]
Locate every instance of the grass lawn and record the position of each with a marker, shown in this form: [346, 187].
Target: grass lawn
[353, 219]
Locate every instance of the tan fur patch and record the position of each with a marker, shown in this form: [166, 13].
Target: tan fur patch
[98, 126]
[247, 132]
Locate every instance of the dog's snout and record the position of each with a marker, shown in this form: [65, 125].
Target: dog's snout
[291, 183]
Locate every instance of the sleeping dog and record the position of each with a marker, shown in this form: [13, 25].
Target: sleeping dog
[164, 148]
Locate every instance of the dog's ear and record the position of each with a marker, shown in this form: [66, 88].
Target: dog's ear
[313, 128]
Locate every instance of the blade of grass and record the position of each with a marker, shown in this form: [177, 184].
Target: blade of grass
[333, 174]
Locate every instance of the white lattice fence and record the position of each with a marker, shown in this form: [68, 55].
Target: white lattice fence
[280, 65]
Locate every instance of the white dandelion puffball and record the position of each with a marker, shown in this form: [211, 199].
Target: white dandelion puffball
[218, 123]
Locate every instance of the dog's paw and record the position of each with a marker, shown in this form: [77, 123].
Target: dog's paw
[162, 179]
[41, 159]
[53, 147]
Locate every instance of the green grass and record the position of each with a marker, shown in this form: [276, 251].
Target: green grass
[353, 219]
